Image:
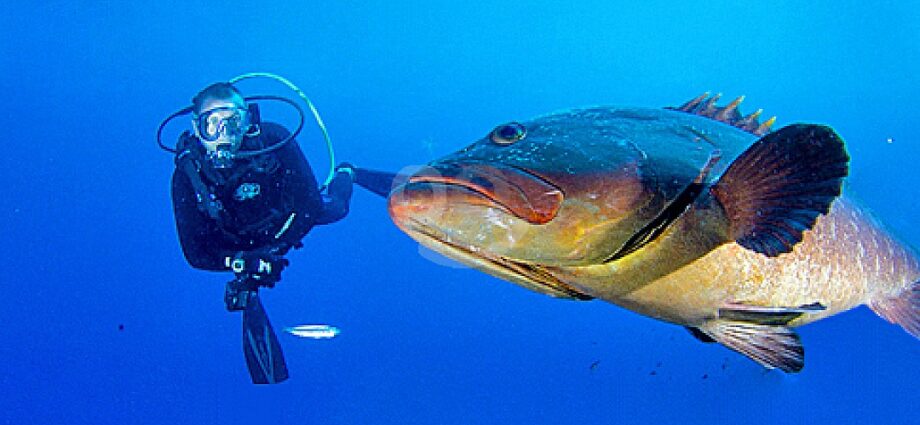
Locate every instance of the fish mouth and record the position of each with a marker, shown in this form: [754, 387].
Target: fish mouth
[516, 191]
[416, 207]
[533, 276]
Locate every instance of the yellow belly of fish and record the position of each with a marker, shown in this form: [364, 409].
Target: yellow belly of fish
[846, 260]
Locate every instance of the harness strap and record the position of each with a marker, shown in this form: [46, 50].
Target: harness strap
[207, 202]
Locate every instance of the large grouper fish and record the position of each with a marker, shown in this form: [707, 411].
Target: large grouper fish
[694, 215]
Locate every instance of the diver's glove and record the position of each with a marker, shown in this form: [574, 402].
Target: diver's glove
[346, 167]
[262, 265]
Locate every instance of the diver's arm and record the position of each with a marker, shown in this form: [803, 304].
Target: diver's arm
[335, 204]
[197, 234]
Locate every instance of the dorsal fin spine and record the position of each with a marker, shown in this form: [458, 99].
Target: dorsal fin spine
[765, 127]
[728, 114]
[692, 103]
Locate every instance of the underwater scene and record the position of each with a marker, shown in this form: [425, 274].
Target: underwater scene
[542, 212]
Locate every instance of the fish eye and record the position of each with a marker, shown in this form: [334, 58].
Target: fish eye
[507, 134]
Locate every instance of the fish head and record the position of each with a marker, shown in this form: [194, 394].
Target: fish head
[567, 189]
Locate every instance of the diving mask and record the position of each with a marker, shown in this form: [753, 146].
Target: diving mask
[224, 122]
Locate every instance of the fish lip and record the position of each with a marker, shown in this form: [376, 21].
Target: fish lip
[440, 238]
[515, 190]
[509, 265]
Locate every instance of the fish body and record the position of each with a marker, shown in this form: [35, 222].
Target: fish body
[695, 216]
[845, 261]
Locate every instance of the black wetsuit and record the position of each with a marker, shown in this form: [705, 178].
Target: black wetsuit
[268, 201]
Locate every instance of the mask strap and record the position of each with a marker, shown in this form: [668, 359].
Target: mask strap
[255, 120]
[254, 130]
[196, 127]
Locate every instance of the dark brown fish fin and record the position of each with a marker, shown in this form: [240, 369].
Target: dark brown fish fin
[700, 335]
[766, 315]
[904, 309]
[729, 114]
[779, 186]
[774, 347]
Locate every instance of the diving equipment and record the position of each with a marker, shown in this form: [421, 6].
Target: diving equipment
[261, 348]
[319, 121]
[223, 157]
[239, 292]
[224, 121]
[225, 154]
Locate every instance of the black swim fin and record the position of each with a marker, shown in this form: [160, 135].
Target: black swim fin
[260, 345]
[378, 182]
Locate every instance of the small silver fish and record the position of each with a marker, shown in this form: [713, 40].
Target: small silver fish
[313, 331]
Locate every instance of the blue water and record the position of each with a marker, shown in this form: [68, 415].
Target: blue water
[89, 242]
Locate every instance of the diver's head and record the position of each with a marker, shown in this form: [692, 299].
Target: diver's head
[221, 118]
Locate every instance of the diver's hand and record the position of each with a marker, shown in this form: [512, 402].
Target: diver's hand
[262, 265]
[346, 167]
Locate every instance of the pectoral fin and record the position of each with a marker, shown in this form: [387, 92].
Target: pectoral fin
[779, 186]
[771, 346]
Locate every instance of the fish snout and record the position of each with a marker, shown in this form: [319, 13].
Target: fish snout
[410, 201]
[511, 189]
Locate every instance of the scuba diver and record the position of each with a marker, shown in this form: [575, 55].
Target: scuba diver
[245, 215]
[244, 195]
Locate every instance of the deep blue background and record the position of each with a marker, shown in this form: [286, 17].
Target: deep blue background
[89, 240]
